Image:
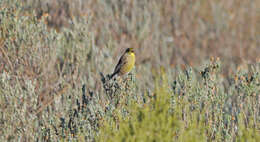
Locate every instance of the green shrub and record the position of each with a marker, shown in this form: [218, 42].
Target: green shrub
[154, 122]
[192, 113]
[53, 84]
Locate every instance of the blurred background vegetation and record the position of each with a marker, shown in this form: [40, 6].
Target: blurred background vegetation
[55, 55]
[229, 30]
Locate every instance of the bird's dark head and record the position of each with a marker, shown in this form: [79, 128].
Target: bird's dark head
[129, 50]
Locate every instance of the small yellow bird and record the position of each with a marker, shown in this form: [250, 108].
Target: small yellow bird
[125, 64]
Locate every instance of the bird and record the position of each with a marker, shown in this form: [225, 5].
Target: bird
[125, 64]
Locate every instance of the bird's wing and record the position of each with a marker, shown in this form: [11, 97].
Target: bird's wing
[121, 62]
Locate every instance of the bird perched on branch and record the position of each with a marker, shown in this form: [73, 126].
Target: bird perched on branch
[125, 63]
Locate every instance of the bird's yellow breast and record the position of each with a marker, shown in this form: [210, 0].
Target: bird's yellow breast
[130, 57]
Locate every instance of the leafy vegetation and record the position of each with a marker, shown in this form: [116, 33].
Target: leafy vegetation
[54, 84]
[192, 110]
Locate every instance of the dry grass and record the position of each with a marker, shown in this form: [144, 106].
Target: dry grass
[52, 54]
[188, 31]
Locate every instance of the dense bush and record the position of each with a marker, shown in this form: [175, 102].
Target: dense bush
[191, 110]
[54, 86]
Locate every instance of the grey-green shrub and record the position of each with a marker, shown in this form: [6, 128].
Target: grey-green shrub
[37, 61]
